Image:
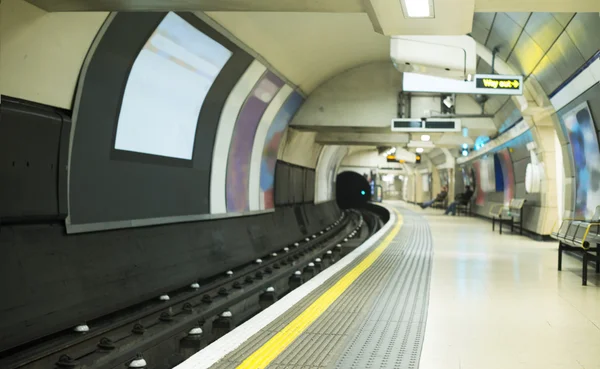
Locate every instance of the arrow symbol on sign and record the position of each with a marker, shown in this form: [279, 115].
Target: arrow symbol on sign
[516, 83]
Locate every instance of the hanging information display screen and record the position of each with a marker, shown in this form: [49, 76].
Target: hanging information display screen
[486, 83]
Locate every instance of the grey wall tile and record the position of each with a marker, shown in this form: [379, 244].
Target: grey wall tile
[531, 216]
[520, 167]
[565, 57]
[584, 31]
[504, 34]
[495, 103]
[526, 55]
[519, 18]
[563, 18]
[547, 75]
[482, 24]
[520, 190]
[544, 29]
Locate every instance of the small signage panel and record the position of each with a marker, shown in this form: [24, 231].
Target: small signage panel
[404, 124]
[488, 84]
[499, 84]
[426, 125]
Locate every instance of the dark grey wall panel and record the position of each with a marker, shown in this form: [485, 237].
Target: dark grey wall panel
[282, 178]
[495, 197]
[520, 168]
[531, 216]
[519, 151]
[309, 186]
[533, 199]
[104, 188]
[520, 190]
[293, 184]
[58, 281]
[34, 142]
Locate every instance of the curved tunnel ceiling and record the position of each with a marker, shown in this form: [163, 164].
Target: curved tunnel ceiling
[311, 48]
[548, 46]
[308, 48]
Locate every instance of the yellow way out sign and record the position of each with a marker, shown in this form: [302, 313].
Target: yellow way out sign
[499, 84]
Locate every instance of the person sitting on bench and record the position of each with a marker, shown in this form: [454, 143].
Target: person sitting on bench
[440, 197]
[462, 199]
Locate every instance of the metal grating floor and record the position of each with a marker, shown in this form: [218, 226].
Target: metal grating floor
[378, 322]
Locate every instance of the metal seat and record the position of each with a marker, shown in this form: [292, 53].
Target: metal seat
[580, 236]
[512, 215]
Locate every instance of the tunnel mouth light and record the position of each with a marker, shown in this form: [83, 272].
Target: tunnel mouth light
[417, 8]
[425, 138]
[419, 150]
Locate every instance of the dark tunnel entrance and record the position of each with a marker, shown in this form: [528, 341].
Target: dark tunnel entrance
[352, 190]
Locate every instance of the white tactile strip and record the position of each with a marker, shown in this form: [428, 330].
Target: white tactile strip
[392, 334]
[231, 341]
[378, 322]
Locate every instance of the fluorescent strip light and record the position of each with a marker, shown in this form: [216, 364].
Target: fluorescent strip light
[417, 8]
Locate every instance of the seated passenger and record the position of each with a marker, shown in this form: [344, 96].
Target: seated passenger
[440, 197]
[462, 199]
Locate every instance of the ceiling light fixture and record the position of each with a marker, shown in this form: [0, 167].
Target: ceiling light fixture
[418, 8]
[425, 138]
[419, 150]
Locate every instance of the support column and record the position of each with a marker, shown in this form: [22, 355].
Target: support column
[539, 113]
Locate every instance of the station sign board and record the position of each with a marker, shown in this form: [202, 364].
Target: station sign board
[426, 124]
[487, 84]
[498, 84]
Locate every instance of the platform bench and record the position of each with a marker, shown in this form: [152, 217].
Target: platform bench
[512, 215]
[580, 236]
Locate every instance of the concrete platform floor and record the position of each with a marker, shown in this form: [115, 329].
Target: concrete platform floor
[498, 302]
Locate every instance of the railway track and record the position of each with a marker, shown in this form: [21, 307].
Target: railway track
[163, 332]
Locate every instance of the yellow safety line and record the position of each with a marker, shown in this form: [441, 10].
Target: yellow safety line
[279, 342]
